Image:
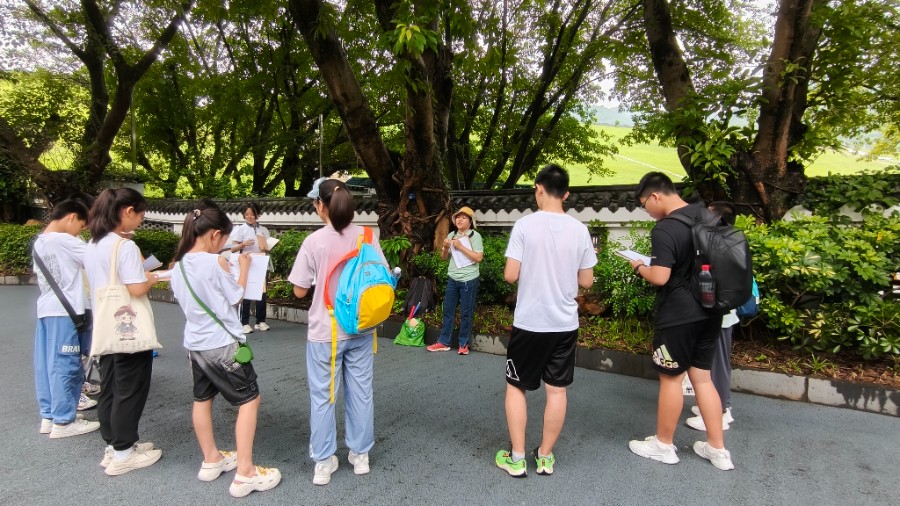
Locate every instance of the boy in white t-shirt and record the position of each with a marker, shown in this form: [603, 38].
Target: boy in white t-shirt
[551, 255]
[58, 375]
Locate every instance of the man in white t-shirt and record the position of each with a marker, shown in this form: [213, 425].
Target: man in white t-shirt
[550, 254]
[58, 375]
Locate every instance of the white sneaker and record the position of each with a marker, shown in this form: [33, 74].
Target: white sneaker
[76, 428]
[266, 478]
[721, 458]
[247, 329]
[209, 471]
[108, 452]
[85, 403]
[46, 425]
[324, 470]
[360, 462]
[651, 448]
[263, 326]
[135, 460]
[696, 422]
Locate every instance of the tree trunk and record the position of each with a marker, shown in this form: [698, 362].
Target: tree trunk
[413, 199]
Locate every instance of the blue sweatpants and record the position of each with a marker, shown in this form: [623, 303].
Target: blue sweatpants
[58, 375]
[353, 368]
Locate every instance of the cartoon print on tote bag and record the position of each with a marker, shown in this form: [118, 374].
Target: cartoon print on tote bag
[125, 327]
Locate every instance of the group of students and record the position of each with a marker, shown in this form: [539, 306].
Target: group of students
[550, 256]
[210, 296]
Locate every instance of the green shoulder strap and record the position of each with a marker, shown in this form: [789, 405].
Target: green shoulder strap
[204, 306]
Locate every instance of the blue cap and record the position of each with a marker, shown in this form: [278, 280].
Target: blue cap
[314, 193]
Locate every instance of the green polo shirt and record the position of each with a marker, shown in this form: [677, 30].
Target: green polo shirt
[468, 272]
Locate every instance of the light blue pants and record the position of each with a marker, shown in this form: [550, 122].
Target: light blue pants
[353, 368]
[58, 375]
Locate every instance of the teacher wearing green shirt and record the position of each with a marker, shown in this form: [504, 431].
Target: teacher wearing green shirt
[465, 251]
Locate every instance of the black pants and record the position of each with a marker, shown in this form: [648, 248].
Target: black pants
[260, 310]
[125, 384]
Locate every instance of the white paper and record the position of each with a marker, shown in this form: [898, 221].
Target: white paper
[270, 243]
[151, 263]
[256, 275]
[633, 255]
[459, 258]
[164, 275]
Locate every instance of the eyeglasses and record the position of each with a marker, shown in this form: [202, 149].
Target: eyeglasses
[644, 202]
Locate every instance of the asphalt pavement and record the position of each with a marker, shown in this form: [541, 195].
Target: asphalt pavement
[438, 423]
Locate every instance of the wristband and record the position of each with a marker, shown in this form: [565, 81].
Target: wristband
[637, 270]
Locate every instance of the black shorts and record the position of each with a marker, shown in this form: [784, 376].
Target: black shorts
[678, 348]
[535, 356]
[215, 371]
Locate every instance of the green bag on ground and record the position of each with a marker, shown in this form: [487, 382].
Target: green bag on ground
[411, 335]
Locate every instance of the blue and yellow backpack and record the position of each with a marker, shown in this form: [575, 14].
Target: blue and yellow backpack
[364, 296]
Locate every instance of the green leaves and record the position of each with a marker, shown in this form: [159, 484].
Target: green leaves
[412, 39]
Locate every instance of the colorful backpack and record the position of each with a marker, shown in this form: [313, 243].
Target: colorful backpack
[364, 296]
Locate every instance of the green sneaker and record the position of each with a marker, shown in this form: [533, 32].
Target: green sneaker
[544, 464]
[515, 469]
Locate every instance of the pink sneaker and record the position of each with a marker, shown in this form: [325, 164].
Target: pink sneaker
[438, 347]
[464, 350]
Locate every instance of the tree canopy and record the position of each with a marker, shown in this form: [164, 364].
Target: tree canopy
[260, 97]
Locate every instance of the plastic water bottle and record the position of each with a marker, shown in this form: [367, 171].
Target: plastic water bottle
[707, 288]
[397, 272]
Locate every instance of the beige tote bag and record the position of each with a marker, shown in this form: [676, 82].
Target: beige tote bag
[122, 323]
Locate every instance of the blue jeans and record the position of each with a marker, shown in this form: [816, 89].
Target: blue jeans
[462, 293]
[57, 368]
[354, 370]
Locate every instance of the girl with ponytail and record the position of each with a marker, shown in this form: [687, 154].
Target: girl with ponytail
[209, 295]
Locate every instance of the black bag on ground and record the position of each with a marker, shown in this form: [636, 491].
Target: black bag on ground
[421, 293]
[726, 250]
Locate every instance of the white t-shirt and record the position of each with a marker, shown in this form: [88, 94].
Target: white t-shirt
[218, 290]
[62, 253]
[319, 251]
[244, 232]
[96, 262]
[552, 248]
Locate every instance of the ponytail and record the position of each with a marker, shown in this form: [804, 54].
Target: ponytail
[336, 196]
[105, 214]
[208, 216]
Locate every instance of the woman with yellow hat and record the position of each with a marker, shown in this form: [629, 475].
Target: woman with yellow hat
[465, 251]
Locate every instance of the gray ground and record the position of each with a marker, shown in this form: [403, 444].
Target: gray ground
[439, 421]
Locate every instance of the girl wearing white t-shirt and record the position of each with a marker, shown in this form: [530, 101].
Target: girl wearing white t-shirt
[250, 237]
[209, 294]
[124, 377]
[57, 343]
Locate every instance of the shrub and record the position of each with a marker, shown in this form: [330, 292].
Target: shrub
[284, 253]
[825, 195]
[820, 279]
[159, 243]
[15, 258]
[392, 247]
[614, 278]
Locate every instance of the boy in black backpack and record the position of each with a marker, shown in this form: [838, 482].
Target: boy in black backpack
[684, 333]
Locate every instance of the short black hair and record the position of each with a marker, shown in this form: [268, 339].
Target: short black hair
[67, 207]
[554, 179]
[655, 182]
[251, 206]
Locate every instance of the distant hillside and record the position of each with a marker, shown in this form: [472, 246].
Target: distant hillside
[611, 116]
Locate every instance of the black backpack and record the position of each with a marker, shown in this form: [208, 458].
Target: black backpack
[421, 293]
[725, 249]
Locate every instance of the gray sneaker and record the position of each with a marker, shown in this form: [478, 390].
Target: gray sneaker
[76, 428]
[135, 460]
